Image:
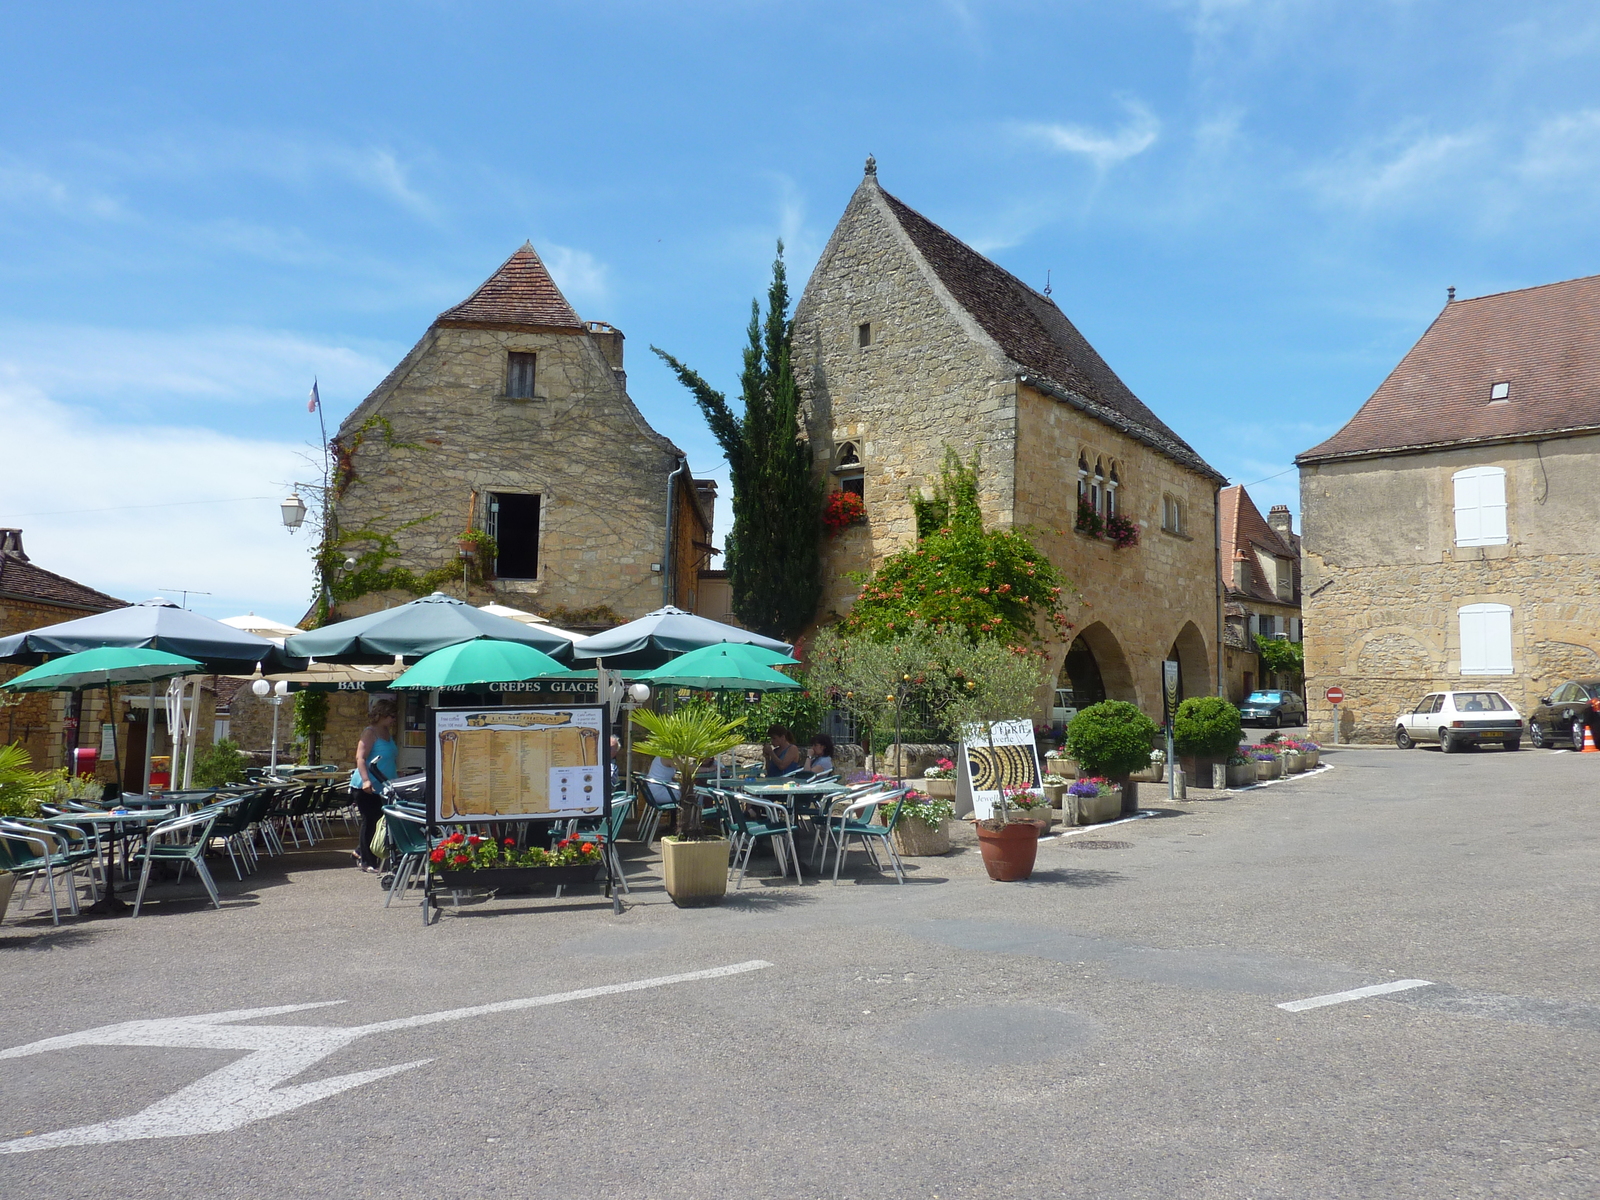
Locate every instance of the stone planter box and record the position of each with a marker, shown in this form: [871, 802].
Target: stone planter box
[1044, 818]
[1294, 762]
[1312, 758]
[1054, 792]
[938, 789]
[1094, 809]
[918, 839]
[1268, 768]
[1067, 768]
[1154, 773]
[1240, 776]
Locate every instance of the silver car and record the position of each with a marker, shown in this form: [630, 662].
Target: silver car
[1459, 719]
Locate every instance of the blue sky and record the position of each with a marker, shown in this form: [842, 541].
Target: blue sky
[1251, 209]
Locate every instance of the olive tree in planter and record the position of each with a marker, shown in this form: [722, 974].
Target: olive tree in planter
[1112, 739]
[1205, 731]
[695, 866]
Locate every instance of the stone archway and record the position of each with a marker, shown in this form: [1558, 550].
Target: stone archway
[1096, 668]
[1194, 665]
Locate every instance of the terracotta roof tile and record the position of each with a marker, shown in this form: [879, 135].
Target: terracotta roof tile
[1036, 335]
[1542, 341]
[23, 580]
[1244, 529]
[521, 292]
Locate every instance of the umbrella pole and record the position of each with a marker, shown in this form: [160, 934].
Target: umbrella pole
[149, 738]
[193, 721]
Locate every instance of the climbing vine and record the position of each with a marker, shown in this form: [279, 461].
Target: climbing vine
[344, 453]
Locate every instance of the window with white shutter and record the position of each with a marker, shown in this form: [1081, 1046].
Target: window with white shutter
[1480, 499]
[1485, 639]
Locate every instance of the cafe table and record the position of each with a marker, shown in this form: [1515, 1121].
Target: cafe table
[107, 824]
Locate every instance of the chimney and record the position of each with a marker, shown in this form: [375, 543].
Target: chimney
[11, 543]
[1281, 521]
[1241, 571]
[609, 339]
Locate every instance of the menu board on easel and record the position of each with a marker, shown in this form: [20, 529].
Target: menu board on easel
[518, 764]
[1003, 756]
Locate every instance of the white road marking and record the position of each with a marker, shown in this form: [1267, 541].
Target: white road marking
[247, 1090]
[1361, 993]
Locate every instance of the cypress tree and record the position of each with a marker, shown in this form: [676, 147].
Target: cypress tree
[773, 555]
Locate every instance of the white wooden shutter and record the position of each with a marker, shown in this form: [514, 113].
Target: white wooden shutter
[1480, 506]
[1485, 639]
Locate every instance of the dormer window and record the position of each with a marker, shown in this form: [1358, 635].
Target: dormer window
[1500, 391]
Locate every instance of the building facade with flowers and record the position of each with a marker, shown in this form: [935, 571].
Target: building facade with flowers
[906, 342]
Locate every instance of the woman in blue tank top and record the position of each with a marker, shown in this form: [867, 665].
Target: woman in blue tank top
[376, 763]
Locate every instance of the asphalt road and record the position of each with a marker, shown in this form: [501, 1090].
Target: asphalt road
[1110, 1029]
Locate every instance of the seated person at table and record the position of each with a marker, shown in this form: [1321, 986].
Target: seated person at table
[820, 760]
[661, 771]
[780, 755]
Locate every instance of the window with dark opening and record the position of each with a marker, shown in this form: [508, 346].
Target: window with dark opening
[854, 483]
[864, 334]
[514, 525]
[519, 375]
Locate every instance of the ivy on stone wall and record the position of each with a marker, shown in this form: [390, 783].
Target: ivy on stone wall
[1281, 657]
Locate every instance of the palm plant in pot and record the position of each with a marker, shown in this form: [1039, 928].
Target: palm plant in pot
[694, 864]
[1112, 739]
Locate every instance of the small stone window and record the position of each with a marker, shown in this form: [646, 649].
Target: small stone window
[849, 468]
[520, 375]
[864, 334]
[1173, 517]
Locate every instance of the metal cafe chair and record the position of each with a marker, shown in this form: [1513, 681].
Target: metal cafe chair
[182, 840]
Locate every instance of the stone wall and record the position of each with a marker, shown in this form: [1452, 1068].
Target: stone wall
[931, 378]
[580, 444]
[39, 719]
[1384, 579]
[923, 382]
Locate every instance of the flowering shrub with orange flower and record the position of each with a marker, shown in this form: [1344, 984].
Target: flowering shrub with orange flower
[470, 852]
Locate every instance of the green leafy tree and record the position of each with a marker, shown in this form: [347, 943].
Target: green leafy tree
[773, 556]
[1281, 657]
[1205, 725]
[986, 584]
[1111, 738]
[221, 763]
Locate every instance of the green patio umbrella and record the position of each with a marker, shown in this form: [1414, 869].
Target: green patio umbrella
[725, 667]
[485, 660]
[101, 668]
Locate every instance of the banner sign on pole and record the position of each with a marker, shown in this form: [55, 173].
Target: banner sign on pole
[1012, 762]
[518, 764]
[1169, 691]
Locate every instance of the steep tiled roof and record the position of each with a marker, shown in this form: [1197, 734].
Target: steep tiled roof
[521, 292]
[1037, 337]
[23, 580]
[1244, 529]
[1542, 341]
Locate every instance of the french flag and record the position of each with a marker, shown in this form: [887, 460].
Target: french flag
[315, 401]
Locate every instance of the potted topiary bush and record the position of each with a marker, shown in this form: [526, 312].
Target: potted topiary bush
[1112, 739]
[1205, 731]
[695, 865]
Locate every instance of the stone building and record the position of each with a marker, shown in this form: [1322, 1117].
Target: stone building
[512, 415]
[46, 723]
[1261, 589]
[1450, 526]
[907, 341]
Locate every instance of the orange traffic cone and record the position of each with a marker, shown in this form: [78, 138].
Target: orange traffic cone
[1588, 740]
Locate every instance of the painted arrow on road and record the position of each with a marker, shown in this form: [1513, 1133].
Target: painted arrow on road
[248, 1089]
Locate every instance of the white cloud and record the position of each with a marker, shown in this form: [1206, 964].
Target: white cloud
[26, 186]
[238, 365]
[1398, 171]
[203, 536]
[1563, 147]
[580, 275]
[1104, 150]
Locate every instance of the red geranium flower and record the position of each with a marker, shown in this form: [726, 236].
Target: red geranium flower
[511, 841]
[474, 839]
[437, 855]
[587, 847]
[461, 860]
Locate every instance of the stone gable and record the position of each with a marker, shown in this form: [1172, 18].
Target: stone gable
[926, 374]
[453, 436]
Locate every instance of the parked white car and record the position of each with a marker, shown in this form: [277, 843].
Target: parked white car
[1459, 719]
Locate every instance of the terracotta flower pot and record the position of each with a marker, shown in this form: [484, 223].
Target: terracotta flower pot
[1008, 852]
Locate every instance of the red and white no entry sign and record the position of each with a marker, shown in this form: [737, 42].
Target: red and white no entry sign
[1335, 695]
